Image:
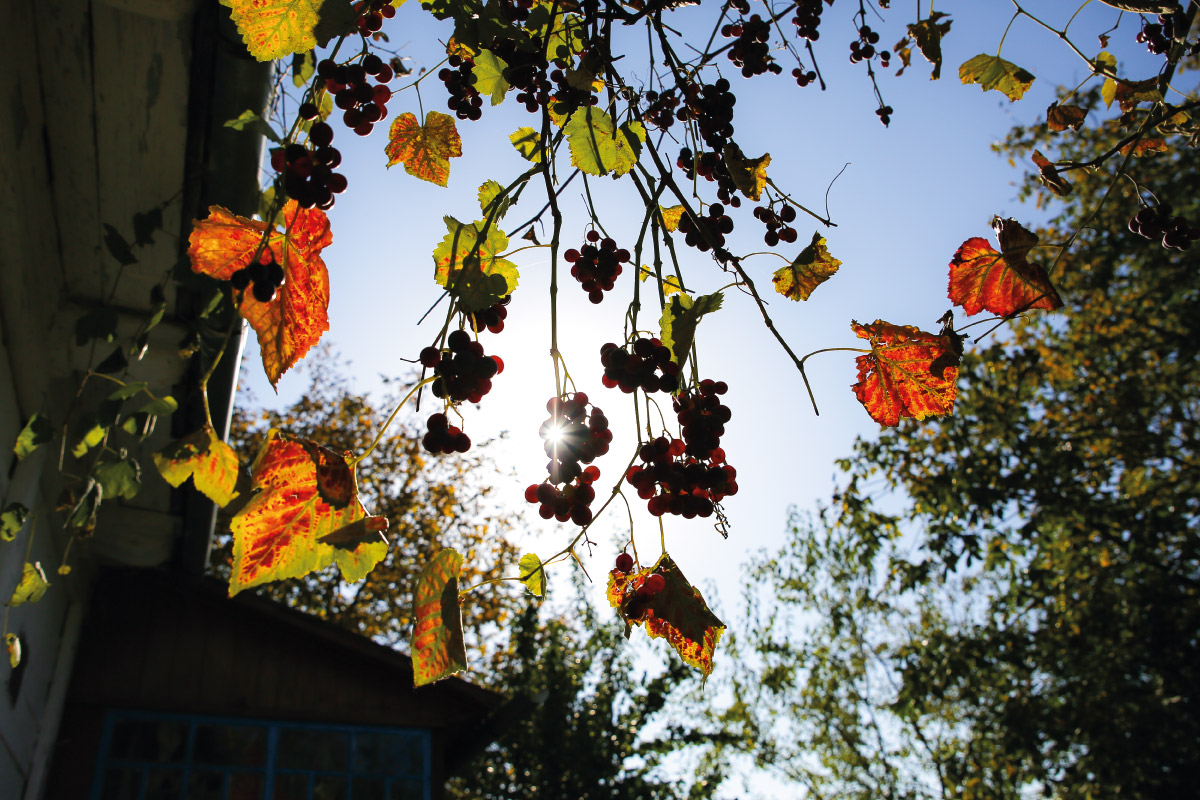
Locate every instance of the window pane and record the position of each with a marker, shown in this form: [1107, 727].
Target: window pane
[369, 789]
[121, 784]
[246, 786]
[388, 754]
[235, 745]
[164, 784]
[162, 741]
[308, 748]
[405, 790]
[291, 787]
[206, 786]
[327, 787]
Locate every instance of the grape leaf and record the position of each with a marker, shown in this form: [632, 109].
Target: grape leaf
[749, 174]
[303, 492]
[12, 521]
[118, 476]
[896, 379]
[1003, 283]
[255, 123]
[671, 217]
[273, 29]
[291, 322]
[488, 192]
[993, 72]
[1061, 117]
[1049, 176]
[468, 264]
[489, 76]
[809, 270]
[437, 640]
[1145, 147]
[670, 284]
[1129, 94]
[598, 147]
[210, 463]
[679, 319]
[678, 613]
[533, 574]
[32, 586]
[13, 645]
[37, 431]
[426, 149]
[928, 35]
[526, 140]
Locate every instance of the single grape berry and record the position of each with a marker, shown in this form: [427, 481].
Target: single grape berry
[624, 562]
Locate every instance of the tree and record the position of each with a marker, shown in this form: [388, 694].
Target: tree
[1029, 619]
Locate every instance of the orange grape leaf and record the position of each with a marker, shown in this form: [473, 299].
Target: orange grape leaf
[678, 613]
[437, 640]
[1049, 176]
[273, 29]
[809, 270]
[426, 149]
[304, 495]
[1061, 117]
[1145, 147]
[293, 320]
[1004, 282]
[1129, 93]
[210, 463]
[671, 217]
[749, 174]
[993, 72]
[898, 379]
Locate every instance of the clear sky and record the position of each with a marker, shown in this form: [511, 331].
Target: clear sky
[912, 193]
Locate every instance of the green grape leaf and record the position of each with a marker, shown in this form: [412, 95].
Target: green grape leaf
[253, 122]
[160, 406]
[489, 76]
[12, 521]
[90, 439]
[598, 146]
[32, 586]
[83, 513]
[810, 269]
[13, 645]
[469, 265]
[993, 72]
[679, 319]
[303, 67]
[526, 140]
[118, 475]
[749, 174]
[533, 574]
[437, 641]
[37, 431]
[488, 192]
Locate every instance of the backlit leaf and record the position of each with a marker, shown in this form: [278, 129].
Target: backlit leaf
[1129, 94]
[1061, 117]
[303, 492]
[37, 431]
[1145, 147]
[670, 284]
[809, 270]
[1049, 176]
[210, 463]
[13, 645]
[489, 76]
[250, 120]
[671, 217]
[273, 29]
[993, 72]
[293, 320]
[93, 437]
[425, 150]
[679, 319]
[437, 641]
[598, 146]
[488, 192]
[12, 521]
[896, 379]
[678, 613]
[1004, 282]
[749, 174]
[533, 574]
[526, 140]
[928, 35]
[32, 586]
[468, 264]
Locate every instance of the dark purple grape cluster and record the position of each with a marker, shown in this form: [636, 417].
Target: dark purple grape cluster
[863, 48]
[363, 104]
[750, 52]
[516, 10]
[1157, 221]
[710, 105]
[885, 114]
[711, 167]
[671, 482]
[463, 371]
[779, 228]
[646, 366]
[570, 502]
[1157, 36]
[702, 417]
[459, 78]
[596, 267]
[804, 78]
[572, 436]
[660, 109]
[308, 176]
[491, 318]
[706, 232]
[565, 98]
[372, 15]
[442, 438]
[808, 20]
[265, 274]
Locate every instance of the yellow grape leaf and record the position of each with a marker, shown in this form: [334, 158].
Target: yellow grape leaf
[202, 456]
[488, 192]
[426, 149]
[679, 319]
[749, 174]
[670, 284]
[598, 146]
[303, 493]
[809, 270]
[469, 265]
[898, 377]
[533, 574]
[12, 521]
[1145, 147]
[32, 586]
[489, 76]
[273, 29]
[37, 431]
[993, 72]
[677, 613]
[526, 141]
[437, 640]
[13, 645]
[671, 217]
[292, 321]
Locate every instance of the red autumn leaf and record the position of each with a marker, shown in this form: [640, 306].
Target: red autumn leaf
[425, 150]
[293, 320]
[304, 508]
[202, 456]
[898, 378]
[1004, 282]
[678, 613]
[437, 640]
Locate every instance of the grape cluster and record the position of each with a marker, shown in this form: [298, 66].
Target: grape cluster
[596, 268]
[778, 224]
[565, 98]
[885, 114]
[265, 274]
[750, 52]
[711, 107]
[372, 16]
[362, 103]
[459, 78]
[571, 502]
[863, 48]
[463, 371]
[572, 436]
[661, 109]
[491, 318]
[1153, 222]
[804, 78]
[308, 176]
[648, 367]
[702, 417]
[808, 19]
[705, 232]
[711, 167]
[1157, 36]
[442, 438]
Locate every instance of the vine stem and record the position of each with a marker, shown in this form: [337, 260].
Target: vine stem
[236, 322]
[379, 436]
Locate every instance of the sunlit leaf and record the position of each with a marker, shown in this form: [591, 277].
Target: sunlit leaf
[527, 141]
[533, 574]
[13, 645]
[749, 174]
[82, 512]
[159, 406]
[1004, 282]
[670, 284]
[303, 67]
[210, 463]
[273, 29]
[679, 319]
[678, 613]
[468, 263]
[896, 379]
[489, 76]
[489, 191]
[598, 146]
[1145, 147]
[293, 320]
[1049, 176]
[993, 72]
[671, 217]
[118, 475]
[809, 270]
[12, 520]
[1061, 117]
[37, 431]
[250, 120]
[425, 150]
[303, 492]
[437, 641]
[1129, 94]
[93, 437]
[32, 586]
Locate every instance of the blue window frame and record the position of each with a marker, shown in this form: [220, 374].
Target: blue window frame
[148, 756]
